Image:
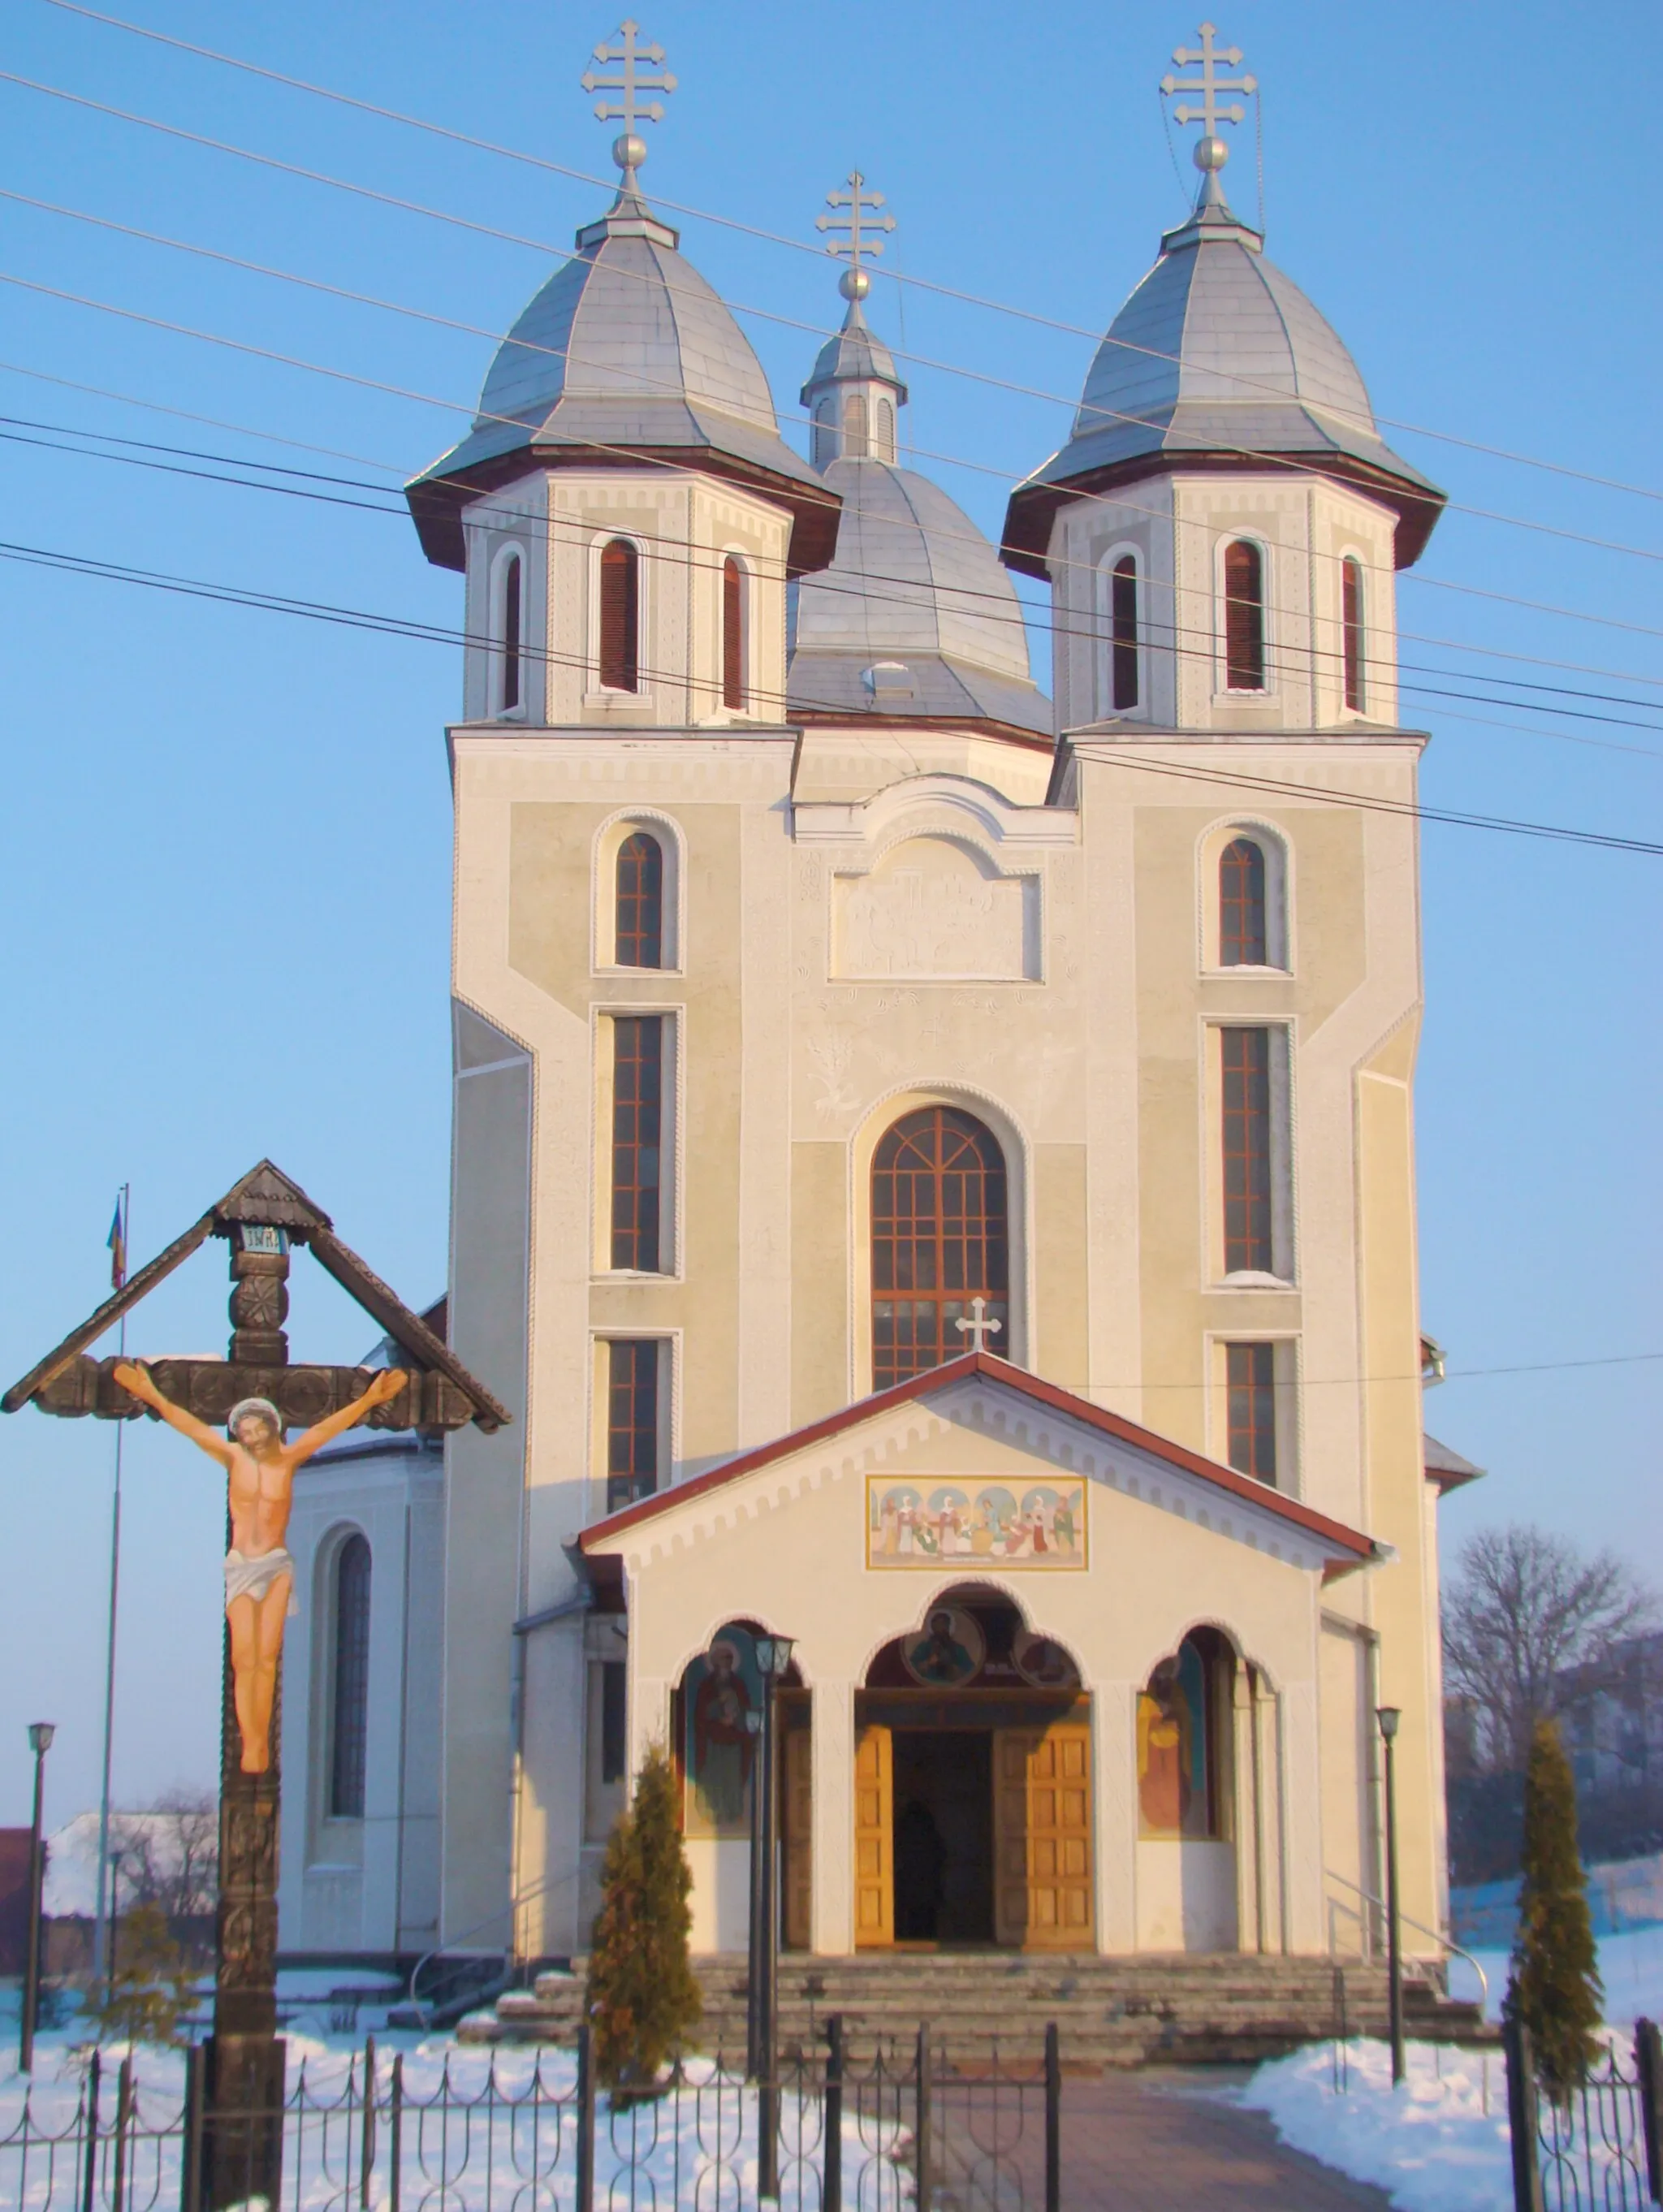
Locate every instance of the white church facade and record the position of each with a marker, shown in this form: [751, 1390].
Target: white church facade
[933, 1170]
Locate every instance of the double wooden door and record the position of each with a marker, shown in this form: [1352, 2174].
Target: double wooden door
[1043, 1863]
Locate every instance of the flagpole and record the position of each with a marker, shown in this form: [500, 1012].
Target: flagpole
[100, 1924]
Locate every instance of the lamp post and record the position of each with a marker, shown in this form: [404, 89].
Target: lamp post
[1388, 1717]
[773, 1659]
[40, 1742]
[755, 1720]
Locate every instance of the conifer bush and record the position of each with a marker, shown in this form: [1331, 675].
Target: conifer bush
[642, 1999]
[1554, 1987]
[150, 1988]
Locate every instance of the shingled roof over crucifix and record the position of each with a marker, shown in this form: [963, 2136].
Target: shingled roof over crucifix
[266, 1211]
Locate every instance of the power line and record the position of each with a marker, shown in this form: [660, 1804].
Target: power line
[435, 633]
[460, 407]
[402, 472]
[865, 591]
[802, 245]
[543, 247]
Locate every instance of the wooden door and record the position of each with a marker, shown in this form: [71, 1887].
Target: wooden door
[1042, 1893]
[799, 1840]
[874, 1838]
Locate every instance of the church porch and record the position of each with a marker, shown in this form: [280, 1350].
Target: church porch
[1124, 1659]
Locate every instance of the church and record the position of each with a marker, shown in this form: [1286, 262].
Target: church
[933, 1165]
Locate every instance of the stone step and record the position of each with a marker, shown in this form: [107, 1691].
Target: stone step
[1109, 2011]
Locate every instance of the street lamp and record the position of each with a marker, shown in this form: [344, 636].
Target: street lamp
[773, 1660]
[1388, 1716]
[40, 1742]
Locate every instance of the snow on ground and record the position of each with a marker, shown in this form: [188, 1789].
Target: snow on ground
[1440, 2143]
[677, 2144]
[1630, 1966]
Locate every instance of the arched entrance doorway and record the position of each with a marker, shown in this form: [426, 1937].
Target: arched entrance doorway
[973, 1785]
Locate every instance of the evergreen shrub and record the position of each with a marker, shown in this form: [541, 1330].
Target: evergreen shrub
[1554, 1987]
[642, 1999]
[150, 1987]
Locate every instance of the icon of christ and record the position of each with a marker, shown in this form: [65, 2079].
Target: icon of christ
[259, 1572]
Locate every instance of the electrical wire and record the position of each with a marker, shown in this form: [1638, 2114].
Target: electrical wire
[433, 633]
[675, 553]
[798, 244]
[952, 368]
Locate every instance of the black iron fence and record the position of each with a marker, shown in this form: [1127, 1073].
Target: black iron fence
[1599, 2146]
[942, 2124]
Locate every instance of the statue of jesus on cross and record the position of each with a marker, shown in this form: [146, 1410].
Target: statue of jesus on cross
[259, 1572]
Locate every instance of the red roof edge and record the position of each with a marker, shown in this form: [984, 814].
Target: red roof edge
[968, 1363]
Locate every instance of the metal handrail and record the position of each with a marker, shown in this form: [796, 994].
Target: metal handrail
[507, 1911]
[1420, 1927]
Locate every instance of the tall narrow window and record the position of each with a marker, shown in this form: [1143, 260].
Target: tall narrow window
[637, 1131]
[825, 432]
[940, 1238]
[632, 1423]
[510, 648]
[854, 426]
[1241, 941]
[1244, 617]
[1250, 1388]
[733, 634]
[350, 1718]
[614, 1713]
[620, 616]
[1350, 586]
[1248, 1245]
[886, 429]
[638, 928]
[1123, 633]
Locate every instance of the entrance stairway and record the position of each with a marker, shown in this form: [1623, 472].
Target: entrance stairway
[1189, 2008]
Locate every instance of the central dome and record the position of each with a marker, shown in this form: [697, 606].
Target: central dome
[914, 612]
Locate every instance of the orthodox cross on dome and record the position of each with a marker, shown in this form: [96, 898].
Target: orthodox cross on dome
[1210, 151]
[979, 1326]
[629, 149]
[855, 213]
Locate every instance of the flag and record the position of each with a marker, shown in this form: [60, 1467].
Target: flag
[118, 1243]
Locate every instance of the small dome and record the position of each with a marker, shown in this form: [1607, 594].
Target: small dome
[851, 356]
[625, 346]
[1217, 353]
[915, 587]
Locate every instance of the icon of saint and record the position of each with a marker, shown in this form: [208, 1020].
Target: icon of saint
[723, 1748]
[940, 1657]
[1163, 1763]
[259, 1569]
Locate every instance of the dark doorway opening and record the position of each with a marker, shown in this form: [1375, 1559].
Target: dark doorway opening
[943, 1836]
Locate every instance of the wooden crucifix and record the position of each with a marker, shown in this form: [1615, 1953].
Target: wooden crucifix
[239, 1410]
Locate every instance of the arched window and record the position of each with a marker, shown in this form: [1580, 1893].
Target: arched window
[854, 426]
[620, 616]
[1350, 586]
[638, 927]
[940, 1238]
[825, 432]
[349, 1716]
[733, 635]
[886, 429]
[1244, 617]
[511, 621]
[1123, 634]
[1182, 1746]
[1242, 941]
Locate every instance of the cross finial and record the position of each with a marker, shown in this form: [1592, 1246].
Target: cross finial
[629, 148]
[979, 1325]
[1210, 151]
[855, 213]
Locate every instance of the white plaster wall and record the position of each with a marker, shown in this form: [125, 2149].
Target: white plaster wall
[1186, 1896]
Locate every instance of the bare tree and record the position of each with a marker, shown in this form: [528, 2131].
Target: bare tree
[170, 1854]
[1525, 1609]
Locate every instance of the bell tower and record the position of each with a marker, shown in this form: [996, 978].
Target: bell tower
[853, 395]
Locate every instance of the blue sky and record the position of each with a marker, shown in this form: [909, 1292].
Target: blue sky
[224, 853]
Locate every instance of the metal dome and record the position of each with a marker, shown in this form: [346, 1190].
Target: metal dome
[1219, 357]
[914, 615]
[626, 347]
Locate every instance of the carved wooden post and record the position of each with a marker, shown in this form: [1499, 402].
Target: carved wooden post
[246, 2057]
